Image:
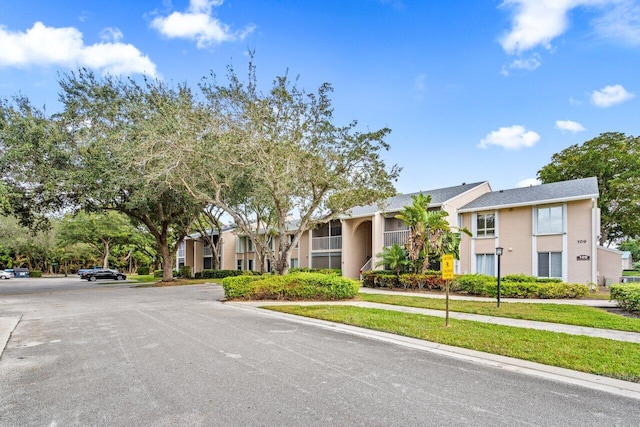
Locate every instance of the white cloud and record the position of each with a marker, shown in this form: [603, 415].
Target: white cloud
[510, 138]
[49, 46]
[537, 22]
[198, 24]
[110, 34]
[569, 126]
[610, 95]
[528, 64]
[528, 182]
[621, 22]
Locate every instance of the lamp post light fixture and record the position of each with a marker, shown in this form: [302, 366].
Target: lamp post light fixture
[499, 254]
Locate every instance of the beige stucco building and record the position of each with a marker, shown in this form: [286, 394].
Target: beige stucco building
[548, 230]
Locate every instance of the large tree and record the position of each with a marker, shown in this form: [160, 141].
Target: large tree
[614, 159]
[107, 122]
[86, 156]
[102, 231]
[276, 162]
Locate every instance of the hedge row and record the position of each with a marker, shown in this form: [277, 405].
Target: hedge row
[293, 286]
[627, 295]
[219, 274]
[335, 271]
[481, 285]
[375, 279]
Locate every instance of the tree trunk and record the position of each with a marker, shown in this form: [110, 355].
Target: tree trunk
[105, 260]
[167, 263]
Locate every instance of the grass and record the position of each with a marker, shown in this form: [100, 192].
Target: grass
[598, 356]
[556, 313]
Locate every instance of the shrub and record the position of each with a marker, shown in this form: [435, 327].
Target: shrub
[474, 284]
[482, 286]
[293, 286]
[421, 281]
[238, 286]
[220, 274]
[333, 271]
[185, 271]
[157, 273]
[627, 295]
[35, 273]
[524, 278]
[143, 271]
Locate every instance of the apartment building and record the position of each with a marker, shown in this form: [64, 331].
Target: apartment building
[548, 230]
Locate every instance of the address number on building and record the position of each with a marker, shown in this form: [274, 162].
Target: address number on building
[583, 257]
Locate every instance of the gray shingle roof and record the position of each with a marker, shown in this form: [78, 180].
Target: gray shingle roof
[396, 203]
[577, 189]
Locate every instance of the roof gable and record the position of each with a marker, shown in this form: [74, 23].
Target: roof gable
[577, 189]
[396, 203]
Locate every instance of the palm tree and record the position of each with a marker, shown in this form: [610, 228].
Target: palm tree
[394, 257]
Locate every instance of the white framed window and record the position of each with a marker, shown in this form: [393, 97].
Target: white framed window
[250, 267]
[550, 264]
[239, 264]
[550, 220]
[294, 263]
[486, 224]
[249, 244]
[485, 264]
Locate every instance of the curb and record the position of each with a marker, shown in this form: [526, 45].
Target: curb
[7, 326]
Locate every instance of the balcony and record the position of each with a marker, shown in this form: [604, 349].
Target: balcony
[399, 237]
[331, 243]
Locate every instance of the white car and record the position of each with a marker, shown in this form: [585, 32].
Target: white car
[5, 274]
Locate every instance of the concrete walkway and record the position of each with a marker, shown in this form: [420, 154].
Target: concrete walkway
[586, 302]
[518, 323]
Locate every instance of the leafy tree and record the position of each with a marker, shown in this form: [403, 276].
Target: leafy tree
[101, 231]
[394, 257]
[268, 159]
[614, 159]
[106, 123]
[32, 165]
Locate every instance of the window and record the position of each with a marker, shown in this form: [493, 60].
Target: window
[249, 245]
[239, 264]
[251, 265]
[549, 264]
[486, 225]
[294, 263]
[550, 220]
[485, 264]
[207, 263]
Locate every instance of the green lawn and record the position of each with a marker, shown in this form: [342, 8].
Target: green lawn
[555, 313]
[586, 354]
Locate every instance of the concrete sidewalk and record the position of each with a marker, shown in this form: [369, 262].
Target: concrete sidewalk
[518, 323]
[7, 326]
[585, 302]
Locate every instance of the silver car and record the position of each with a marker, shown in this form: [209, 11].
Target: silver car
[5, 274]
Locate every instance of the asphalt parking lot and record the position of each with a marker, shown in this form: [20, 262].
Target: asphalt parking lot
[111, 354]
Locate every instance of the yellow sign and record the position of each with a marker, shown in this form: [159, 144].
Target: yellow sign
[447, 267]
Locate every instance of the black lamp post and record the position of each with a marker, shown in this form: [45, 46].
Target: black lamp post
[499, 254]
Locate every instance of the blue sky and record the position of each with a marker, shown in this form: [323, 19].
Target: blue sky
[472, 90]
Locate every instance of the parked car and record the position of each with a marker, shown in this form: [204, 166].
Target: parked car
[6, 274]
[85, 270]
[20, 272]
[102, 273]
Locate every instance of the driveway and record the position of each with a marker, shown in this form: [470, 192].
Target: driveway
[117, 355]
